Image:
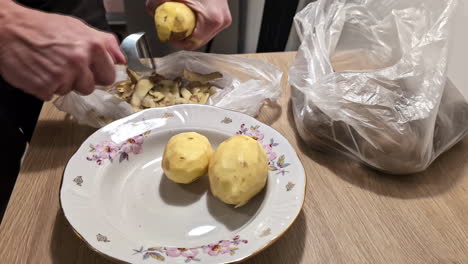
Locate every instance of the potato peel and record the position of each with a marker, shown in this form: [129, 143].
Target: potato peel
[157, 91]
[203, 78]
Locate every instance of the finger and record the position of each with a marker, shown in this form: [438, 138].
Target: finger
[102, 67]
[46, 97]
[64, 82]
[205, 30]
[43, 86]
[188, 44]
[84, 82]
[194, 41]
[200, 36]
[43, 94]
[46, 80]
[114, 50]
[151, 5]
[63, 89]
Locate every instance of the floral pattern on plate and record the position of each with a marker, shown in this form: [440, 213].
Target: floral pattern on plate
[275, 163]
[108, 150]
[192, 254]
[103, 149]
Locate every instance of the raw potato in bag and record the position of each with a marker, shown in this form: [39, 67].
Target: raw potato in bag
[369, 81]
[242, 84]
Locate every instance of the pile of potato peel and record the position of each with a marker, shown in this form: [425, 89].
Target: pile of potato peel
[143, 92]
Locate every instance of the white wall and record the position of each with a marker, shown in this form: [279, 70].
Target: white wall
[458, 54]
[253, 19]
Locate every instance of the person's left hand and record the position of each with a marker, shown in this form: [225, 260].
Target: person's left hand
[212, 17]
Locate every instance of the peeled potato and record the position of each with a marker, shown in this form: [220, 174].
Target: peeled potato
[174, 21]
[186, 157]
[238, 170]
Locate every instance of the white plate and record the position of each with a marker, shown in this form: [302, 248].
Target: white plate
[115, 196]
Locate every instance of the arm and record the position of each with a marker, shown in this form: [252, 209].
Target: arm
[212, 17]
[45, 54]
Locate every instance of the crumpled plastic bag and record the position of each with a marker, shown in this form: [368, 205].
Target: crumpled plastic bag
[370, 81]
[246, 83]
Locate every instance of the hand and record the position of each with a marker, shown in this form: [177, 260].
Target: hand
[212, 17]
[45, 54]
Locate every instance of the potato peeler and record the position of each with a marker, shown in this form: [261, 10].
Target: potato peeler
[136, 48]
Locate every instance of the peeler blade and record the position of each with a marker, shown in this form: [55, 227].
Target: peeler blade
[136, 47]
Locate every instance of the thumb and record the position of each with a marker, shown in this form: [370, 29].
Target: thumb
[200, 36]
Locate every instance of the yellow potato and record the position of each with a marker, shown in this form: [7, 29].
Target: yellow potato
[186, 157]
[174, 21]
[238, 170]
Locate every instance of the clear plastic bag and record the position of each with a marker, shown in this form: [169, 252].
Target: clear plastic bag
[369, 81]
[246, 83]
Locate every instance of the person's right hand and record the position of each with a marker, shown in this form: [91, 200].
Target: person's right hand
[45, 54]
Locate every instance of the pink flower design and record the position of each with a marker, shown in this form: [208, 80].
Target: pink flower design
[133, 145]
[108, 150]
[236, 241]
[255, 134]
[105, 150]
[173, 252]
[252, 132]
[269, 151]
[215, 249]
[242, 130]
[190, 254]
[186, 252]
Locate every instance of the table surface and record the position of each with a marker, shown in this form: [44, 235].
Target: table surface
[351, 214]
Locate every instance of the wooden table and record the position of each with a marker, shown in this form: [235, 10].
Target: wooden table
[351, 214]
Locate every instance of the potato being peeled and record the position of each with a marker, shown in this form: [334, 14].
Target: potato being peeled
[186, 157]
[174, 21]
[238, 170]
